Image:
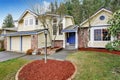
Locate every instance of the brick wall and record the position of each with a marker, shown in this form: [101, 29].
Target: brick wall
[34, 41]
[5, 43]
[83, 37]
[58, 43]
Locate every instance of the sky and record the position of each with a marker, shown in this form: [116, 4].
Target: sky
[17, 7]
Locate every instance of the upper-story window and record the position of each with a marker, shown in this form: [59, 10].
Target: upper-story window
[54, 26]
[60, 29]
[36, 21]
[101, 35]
[30, 21]
[26, 22]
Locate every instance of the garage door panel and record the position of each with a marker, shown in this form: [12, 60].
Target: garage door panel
[15, 43]
[26, 43]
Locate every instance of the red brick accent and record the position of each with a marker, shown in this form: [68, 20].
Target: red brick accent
[34, 41]
[83, 37]
[5, 43]
[58, 43]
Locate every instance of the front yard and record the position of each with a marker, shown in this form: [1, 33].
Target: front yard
[9, 68]
[90, 66]
[96, 65]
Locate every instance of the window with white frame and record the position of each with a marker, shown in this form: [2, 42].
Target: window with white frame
[31, 21]
[101, 35]
[60, 28]
[54, 26]
[26, 22]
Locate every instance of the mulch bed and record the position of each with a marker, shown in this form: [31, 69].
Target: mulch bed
[100, 50]
[52, 70]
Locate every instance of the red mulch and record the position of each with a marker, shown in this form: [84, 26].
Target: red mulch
[100, 50]
[52, 70]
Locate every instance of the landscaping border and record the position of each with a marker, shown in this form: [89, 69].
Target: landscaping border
[70, 78]
[100, 50]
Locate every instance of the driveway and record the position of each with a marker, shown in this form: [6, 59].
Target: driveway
[6, 55]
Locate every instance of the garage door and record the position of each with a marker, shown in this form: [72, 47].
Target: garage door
[15, 43]
[26, 43]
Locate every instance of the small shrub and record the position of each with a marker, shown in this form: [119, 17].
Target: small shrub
[29, 51]
[115, 45]
[2, 49]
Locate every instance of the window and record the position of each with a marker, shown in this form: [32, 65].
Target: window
[60, 29]
[30, 21]
[101, 35]
[26, 22]
[54, 29]
[54, 26]
[36, 21]
[102, 17]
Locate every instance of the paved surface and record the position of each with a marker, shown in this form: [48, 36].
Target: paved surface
[61, 55]
[5, 55]
[33, 57]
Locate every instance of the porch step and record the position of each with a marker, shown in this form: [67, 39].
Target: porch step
[70, 47]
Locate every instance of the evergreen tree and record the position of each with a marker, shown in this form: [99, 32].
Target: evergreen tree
[8, 22]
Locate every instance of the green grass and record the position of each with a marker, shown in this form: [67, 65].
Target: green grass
[9, 68]
[95, 65]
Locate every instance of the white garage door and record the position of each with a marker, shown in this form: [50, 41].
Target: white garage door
[15, 43]
[26, 43]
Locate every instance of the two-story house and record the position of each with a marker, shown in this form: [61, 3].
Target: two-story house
[30, 33]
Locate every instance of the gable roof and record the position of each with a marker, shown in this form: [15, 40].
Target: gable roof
[31, 12]
[102, 9]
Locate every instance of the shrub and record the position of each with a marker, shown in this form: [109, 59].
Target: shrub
[2, 49]
[29, 51]
[115, 45]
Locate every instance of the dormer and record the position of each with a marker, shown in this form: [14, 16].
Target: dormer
[28, 21]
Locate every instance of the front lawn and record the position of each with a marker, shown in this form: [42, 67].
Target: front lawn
[9, 68]
[96, 65]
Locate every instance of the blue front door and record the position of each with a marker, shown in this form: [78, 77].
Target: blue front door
[71, 38]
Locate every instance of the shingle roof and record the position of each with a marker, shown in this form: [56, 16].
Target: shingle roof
[19, 33]
[71, 28]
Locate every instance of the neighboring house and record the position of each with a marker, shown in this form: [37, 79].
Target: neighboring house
[30, 33]
[5, 31]
[93, 31]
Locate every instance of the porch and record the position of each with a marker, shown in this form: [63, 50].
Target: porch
[70, 37]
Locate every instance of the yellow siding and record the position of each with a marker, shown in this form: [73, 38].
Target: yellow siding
[96, 21]
[68, 22]
[22, 27]
[41, 40]
[26, 43]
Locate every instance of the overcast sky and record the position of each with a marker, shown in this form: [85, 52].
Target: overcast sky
[17, 7]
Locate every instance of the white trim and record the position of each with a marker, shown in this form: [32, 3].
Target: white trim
[92, 33]
[25, 13]
[76, 40]
[103, 9]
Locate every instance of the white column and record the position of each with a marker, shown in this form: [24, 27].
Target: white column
[64, 40]
[76, 40]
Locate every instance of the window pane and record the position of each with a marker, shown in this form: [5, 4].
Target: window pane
[31, 22]
[105, 35]
[36, 21]
[60, 29]
[26, 22]
[97, 35]
[54, 29]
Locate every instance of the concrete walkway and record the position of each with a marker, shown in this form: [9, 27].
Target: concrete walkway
[61, 55]
[6, 55]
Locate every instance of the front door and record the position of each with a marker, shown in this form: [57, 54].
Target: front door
[71, 38]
